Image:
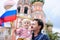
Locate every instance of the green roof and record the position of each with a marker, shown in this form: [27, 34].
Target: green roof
[32, 1]
[49, 23]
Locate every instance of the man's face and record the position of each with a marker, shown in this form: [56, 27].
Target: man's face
[34, 25]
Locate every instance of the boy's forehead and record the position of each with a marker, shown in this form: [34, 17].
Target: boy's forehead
[25, 20]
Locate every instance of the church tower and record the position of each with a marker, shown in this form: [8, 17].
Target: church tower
[24, 7]
[29, 9]
[37, 9]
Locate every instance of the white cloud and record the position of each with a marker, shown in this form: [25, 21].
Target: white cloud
[52, 11]
[56, 30]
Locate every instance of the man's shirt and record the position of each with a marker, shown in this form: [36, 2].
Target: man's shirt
[41, 36]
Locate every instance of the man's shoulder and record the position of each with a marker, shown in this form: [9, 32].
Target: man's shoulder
[45, 36]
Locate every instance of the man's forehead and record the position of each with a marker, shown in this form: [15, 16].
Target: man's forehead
[33, 21]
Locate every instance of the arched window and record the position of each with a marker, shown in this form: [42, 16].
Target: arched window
[18, 9]
[25, 10]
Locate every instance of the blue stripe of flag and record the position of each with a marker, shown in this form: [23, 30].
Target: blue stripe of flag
[9, 13]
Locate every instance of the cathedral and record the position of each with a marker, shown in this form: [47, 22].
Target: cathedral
[26, 9]
[30, 9]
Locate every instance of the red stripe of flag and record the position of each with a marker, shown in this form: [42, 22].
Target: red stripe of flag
[10, 18]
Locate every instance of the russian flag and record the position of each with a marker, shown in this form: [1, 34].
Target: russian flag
[4, 24]
[9, 16]
[1, 22]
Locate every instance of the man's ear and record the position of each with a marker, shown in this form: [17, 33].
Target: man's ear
[39, 27]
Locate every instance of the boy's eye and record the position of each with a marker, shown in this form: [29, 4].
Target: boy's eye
[26, 23]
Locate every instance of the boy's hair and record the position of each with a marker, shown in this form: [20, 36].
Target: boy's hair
[24, 20]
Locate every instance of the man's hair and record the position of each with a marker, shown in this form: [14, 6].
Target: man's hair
[40, 23]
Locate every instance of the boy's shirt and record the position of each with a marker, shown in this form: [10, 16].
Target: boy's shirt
[23, 33]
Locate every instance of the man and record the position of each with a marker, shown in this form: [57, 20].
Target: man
[37, 26]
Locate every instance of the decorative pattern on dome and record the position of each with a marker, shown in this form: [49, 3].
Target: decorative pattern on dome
[32, 1]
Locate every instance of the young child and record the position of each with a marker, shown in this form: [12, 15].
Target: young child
[24, 32]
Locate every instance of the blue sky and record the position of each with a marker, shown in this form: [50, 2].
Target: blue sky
[51, 9]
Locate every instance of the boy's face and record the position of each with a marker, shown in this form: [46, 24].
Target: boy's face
[26, 24]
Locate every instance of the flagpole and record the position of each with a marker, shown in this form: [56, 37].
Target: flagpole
[13, 31]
